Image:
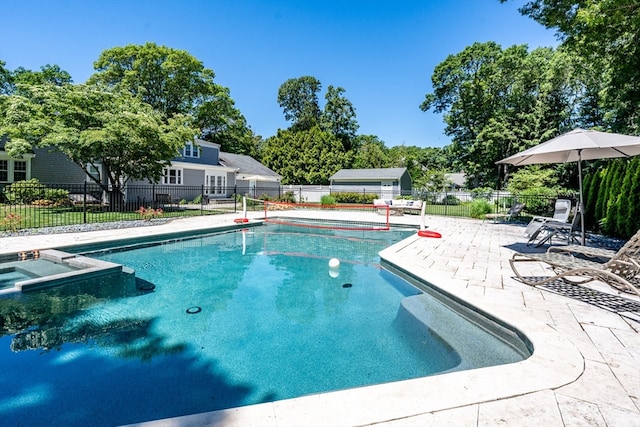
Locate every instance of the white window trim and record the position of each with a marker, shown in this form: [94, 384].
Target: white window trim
[215, 182]
[194, 151]
[179, 176]
[11, 167]
[98, 168]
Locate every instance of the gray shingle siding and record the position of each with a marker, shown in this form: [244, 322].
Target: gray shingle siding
[51, 166]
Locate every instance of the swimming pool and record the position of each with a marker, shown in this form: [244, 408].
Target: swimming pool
[269, 320]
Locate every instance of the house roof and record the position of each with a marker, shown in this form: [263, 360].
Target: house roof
[368, 174]
[247, 166]
[458, 178]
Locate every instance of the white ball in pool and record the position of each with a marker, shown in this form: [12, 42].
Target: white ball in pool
[334, 263]
[334, 273]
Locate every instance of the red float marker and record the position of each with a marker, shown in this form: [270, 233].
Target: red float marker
[429, 233]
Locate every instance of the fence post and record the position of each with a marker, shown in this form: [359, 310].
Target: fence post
[84, 205]
[300, 194]
[202, 199]
[235, 198]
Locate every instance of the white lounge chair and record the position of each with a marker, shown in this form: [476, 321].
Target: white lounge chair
[561, 213]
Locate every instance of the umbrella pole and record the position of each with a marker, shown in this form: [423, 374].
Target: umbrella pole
[581, 207]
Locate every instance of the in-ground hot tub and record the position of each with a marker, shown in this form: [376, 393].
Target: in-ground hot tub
[46, 268]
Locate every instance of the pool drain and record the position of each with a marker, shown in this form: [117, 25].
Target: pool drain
[347, 285]
[193, 310]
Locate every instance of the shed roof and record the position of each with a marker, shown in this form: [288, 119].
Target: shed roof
[368, 174]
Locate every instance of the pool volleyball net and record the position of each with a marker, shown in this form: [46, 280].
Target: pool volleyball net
[313, 215]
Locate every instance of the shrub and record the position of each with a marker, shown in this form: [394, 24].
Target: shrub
[327, 200]
[451, 200]
[197, 200]
[287, 197]
[479, 208]
[481, 193]
[56, 195]
[539, 200]
[149, 213]
[24, 192]
[11, 222]
[354, 197]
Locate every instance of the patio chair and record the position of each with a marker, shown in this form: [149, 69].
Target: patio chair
[587, 251]
[551, 228]
[621, 271]
[561, 213]
[513, 212]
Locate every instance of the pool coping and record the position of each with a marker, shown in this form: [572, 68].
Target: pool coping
[555, 362]
[84, 268]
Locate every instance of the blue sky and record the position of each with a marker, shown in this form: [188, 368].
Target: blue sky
[381, 52]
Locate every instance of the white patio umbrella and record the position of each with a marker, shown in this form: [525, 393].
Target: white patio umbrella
[575, 146]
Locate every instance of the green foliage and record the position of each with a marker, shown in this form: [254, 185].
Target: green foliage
[617, 211]
[24, 192]
[57, 195]
[304, 157]
[339, 117]
[92, 126]
[537, 200]
[371, 153]
[298, 98]
[481, 193]
[497, 102]
[531, 177]
[354, 197]
[175, 83]
[288, 197]
[432, 180]
[479, 208]
[451, 200]
[197, 200]
[606, 35]
[327, 200]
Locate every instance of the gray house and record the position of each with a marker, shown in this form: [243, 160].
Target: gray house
[386, 182]
[199, 169]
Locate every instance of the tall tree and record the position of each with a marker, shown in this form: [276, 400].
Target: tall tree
[6, 80]
[95, 127]
[339, 116]
[174, 82]
[304, 157]
[605, 32]
[298, 98]
[370, 153]
[497, 102]
[9, 80]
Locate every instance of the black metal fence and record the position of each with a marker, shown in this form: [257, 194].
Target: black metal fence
[36, 205]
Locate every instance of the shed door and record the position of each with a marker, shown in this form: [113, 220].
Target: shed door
[386, 190]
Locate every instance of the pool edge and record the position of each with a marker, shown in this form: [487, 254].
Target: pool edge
[555, 362]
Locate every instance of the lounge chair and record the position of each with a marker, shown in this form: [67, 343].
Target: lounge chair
[620, 271]
[561, 213]
[587, 251]
[513, 212]
[551, 228]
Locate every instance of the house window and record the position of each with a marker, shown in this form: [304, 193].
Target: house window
[94, 173]
[172, 176]
[215, 184]
[19, 171]
[221, 182]
[191, 150]
[4, 170]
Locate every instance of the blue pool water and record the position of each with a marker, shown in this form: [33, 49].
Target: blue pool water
[233, 319]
